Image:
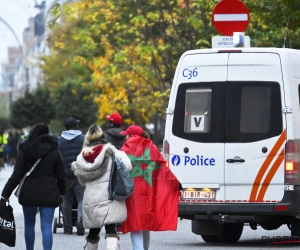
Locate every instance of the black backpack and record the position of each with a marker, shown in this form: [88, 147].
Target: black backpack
[121, 184]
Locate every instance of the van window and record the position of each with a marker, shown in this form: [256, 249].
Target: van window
[228, 111]
[253, 111]
[197, 110]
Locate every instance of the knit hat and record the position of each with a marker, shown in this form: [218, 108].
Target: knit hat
[115, 118]
[133, 130]
[93, 133]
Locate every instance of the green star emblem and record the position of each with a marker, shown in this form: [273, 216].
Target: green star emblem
[143, 166]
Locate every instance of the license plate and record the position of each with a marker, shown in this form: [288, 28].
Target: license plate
[199, 194]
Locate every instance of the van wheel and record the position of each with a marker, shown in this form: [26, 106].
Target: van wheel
[295, 226]
[210, 238]
[271, 225]
[231, 233]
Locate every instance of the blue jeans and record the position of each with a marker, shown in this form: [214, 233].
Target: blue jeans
[140, 239]
[46, 216]
[73, 189]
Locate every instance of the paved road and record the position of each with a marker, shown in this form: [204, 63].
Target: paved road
[182, 239]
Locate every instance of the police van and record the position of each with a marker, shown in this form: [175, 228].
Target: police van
[232, 139]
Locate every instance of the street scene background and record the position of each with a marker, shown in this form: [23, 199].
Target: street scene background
[55, 66]
[181, 239]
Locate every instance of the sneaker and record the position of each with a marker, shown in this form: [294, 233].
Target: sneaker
[67, 230]
[80, 228]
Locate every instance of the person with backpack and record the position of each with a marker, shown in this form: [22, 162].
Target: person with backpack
[112, 134]
[93, 168]
[154, 204]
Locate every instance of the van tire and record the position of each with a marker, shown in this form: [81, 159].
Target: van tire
[271, 225]
[209, 238]
[231, 233]
[295, 227]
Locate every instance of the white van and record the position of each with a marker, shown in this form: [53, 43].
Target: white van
[232, 139]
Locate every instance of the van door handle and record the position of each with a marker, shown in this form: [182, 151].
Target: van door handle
[235, 160]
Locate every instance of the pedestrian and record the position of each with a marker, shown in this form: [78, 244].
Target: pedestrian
[3, 143]
[154, 204]
[93, 167]
[7, 149]
[112, 134]
[43, 187]
[70, 145]
[13, 141]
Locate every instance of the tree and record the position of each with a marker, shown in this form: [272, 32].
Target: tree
[274, 23]
[138, 44]
[74, 100]
[32, 108]
[4, 123]
[127, 51]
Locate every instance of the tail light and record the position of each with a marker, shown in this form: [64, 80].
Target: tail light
[291, 171]
[166, 150]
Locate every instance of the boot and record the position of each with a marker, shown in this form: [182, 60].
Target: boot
[68, 230]
[79, 226]
[112, 242]
[91, 244]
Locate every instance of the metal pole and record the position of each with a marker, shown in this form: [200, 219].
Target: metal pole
[10, 28]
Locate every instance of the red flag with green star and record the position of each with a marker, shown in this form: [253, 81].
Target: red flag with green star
[154, 204]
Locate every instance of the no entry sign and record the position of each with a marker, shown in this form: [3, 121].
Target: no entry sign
[230, 16]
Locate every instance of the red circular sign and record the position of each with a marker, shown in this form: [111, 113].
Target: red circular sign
[230, 16]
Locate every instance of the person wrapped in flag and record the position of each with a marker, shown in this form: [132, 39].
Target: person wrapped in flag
[154, 204]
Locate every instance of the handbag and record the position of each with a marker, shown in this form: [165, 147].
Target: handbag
[19, 188]
[121, 184]
[7, 225]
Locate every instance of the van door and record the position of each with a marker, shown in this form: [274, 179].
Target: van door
[197, 136]
[254, 128]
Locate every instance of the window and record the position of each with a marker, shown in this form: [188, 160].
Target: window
[228, 111]
[255, 109]
[197, 110]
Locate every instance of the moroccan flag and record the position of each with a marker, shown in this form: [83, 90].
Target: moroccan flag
[154, 204]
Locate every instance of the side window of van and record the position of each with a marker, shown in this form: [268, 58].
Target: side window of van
[228, 111]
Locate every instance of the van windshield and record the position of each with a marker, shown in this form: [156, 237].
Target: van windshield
[228, 111]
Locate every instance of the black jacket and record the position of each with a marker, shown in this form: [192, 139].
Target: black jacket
[113, 136]
[47, 181]
[70, 149]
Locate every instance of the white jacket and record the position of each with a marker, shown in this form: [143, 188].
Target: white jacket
[97, 209]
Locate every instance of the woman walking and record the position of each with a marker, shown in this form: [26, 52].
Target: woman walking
[43, 187]
[154, 204]
[93, 167]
